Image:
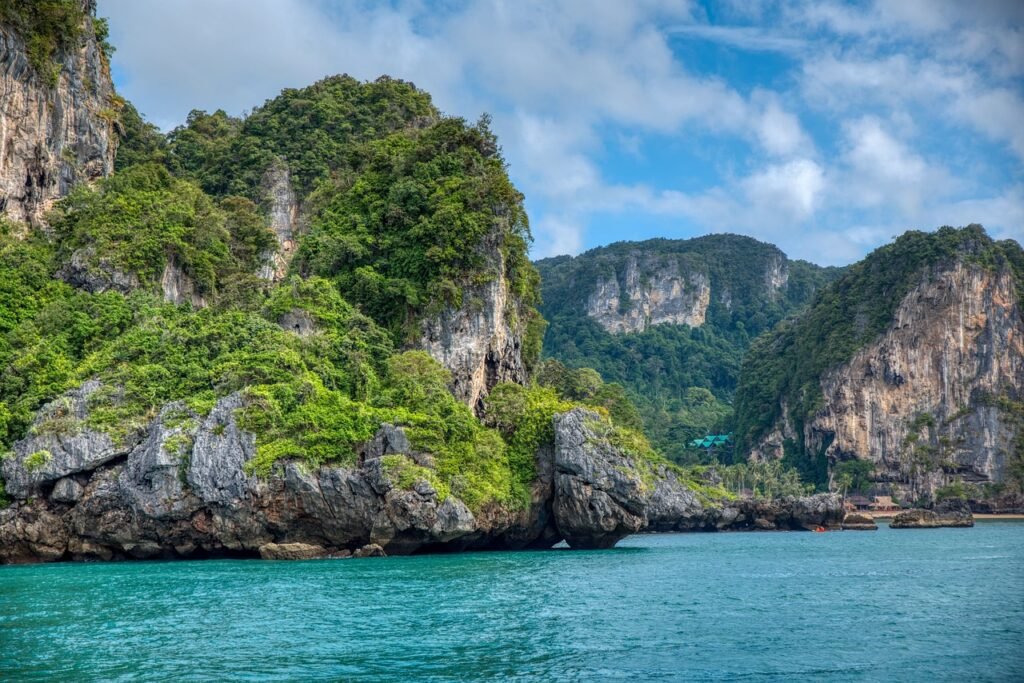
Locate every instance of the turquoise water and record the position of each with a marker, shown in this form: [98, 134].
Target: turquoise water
[907, 605]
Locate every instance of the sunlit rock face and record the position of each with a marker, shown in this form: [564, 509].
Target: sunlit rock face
[650, 295]
[928, 399]
[53, 136]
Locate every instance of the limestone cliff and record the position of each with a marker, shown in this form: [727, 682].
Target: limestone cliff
[53, 136]
[665, 293]
[920, 396]
[933, 397]
[481, 340]
[283, 208]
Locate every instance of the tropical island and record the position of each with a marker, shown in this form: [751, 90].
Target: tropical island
[316, 331]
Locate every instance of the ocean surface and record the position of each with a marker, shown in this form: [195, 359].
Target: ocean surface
[892, 605]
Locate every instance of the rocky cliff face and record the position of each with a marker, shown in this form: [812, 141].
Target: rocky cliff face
[920, 401]
[52, 137]
[181, 489]
[480, 341]
[652, 294]
[283, 209]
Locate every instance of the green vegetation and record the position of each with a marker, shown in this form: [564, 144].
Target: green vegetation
[144, 218]
[785, 366]
[682, 379]
[407, 210]
[38, 460]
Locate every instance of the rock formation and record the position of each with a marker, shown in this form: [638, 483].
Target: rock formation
[283, 208]
[951, 513]
[53, 136]
[859, 521]
[663, 293]
[920, 401]
[481, 340]
[181, 488]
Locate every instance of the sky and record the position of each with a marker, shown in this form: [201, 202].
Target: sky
[826, 128]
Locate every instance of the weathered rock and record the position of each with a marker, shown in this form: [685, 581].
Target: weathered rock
[599, 495]
[953, 513]
[177, 287]
[788, 513]
[216, 467]
[292, 551]
[859, 521]
[66, 490]
[388, 440]
[956, 341]
[181, 489]
[95, 275]
[370, 550]
[480, 341]
[665, 292]
[53, 136]
[58, 444]
[283, 208]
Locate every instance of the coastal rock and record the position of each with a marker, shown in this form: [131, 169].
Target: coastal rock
[599, 495]
[823, 510]
[952, 513]
[370, 550]
[53, 135]
[58, 444]
[291, 551]
[859, 521]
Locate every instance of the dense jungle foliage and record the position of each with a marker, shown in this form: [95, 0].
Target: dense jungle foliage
[785, 366]
[682, 379]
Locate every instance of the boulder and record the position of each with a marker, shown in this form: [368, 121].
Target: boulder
[954, 513]
[291, 551]
[370, 550]
[859, 521]
[599, 495]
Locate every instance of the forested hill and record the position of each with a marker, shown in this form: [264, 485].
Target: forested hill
[912, 361]
[671, 320]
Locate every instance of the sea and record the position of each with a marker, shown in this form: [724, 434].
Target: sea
[890, 605]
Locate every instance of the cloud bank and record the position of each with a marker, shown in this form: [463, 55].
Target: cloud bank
[823, 127]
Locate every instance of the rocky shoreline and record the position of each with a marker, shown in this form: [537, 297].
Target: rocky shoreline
[181, 489]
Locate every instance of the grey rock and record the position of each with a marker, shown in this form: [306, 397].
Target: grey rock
[66, 490]
[153, 479]
[58, 444]
[85, 271]
[298, 321]
[221, 449]
[598, 492]
[388, 440]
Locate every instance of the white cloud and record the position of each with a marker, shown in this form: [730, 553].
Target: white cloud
[828, 159]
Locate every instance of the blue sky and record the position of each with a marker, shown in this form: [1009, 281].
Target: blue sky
[826, 128]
